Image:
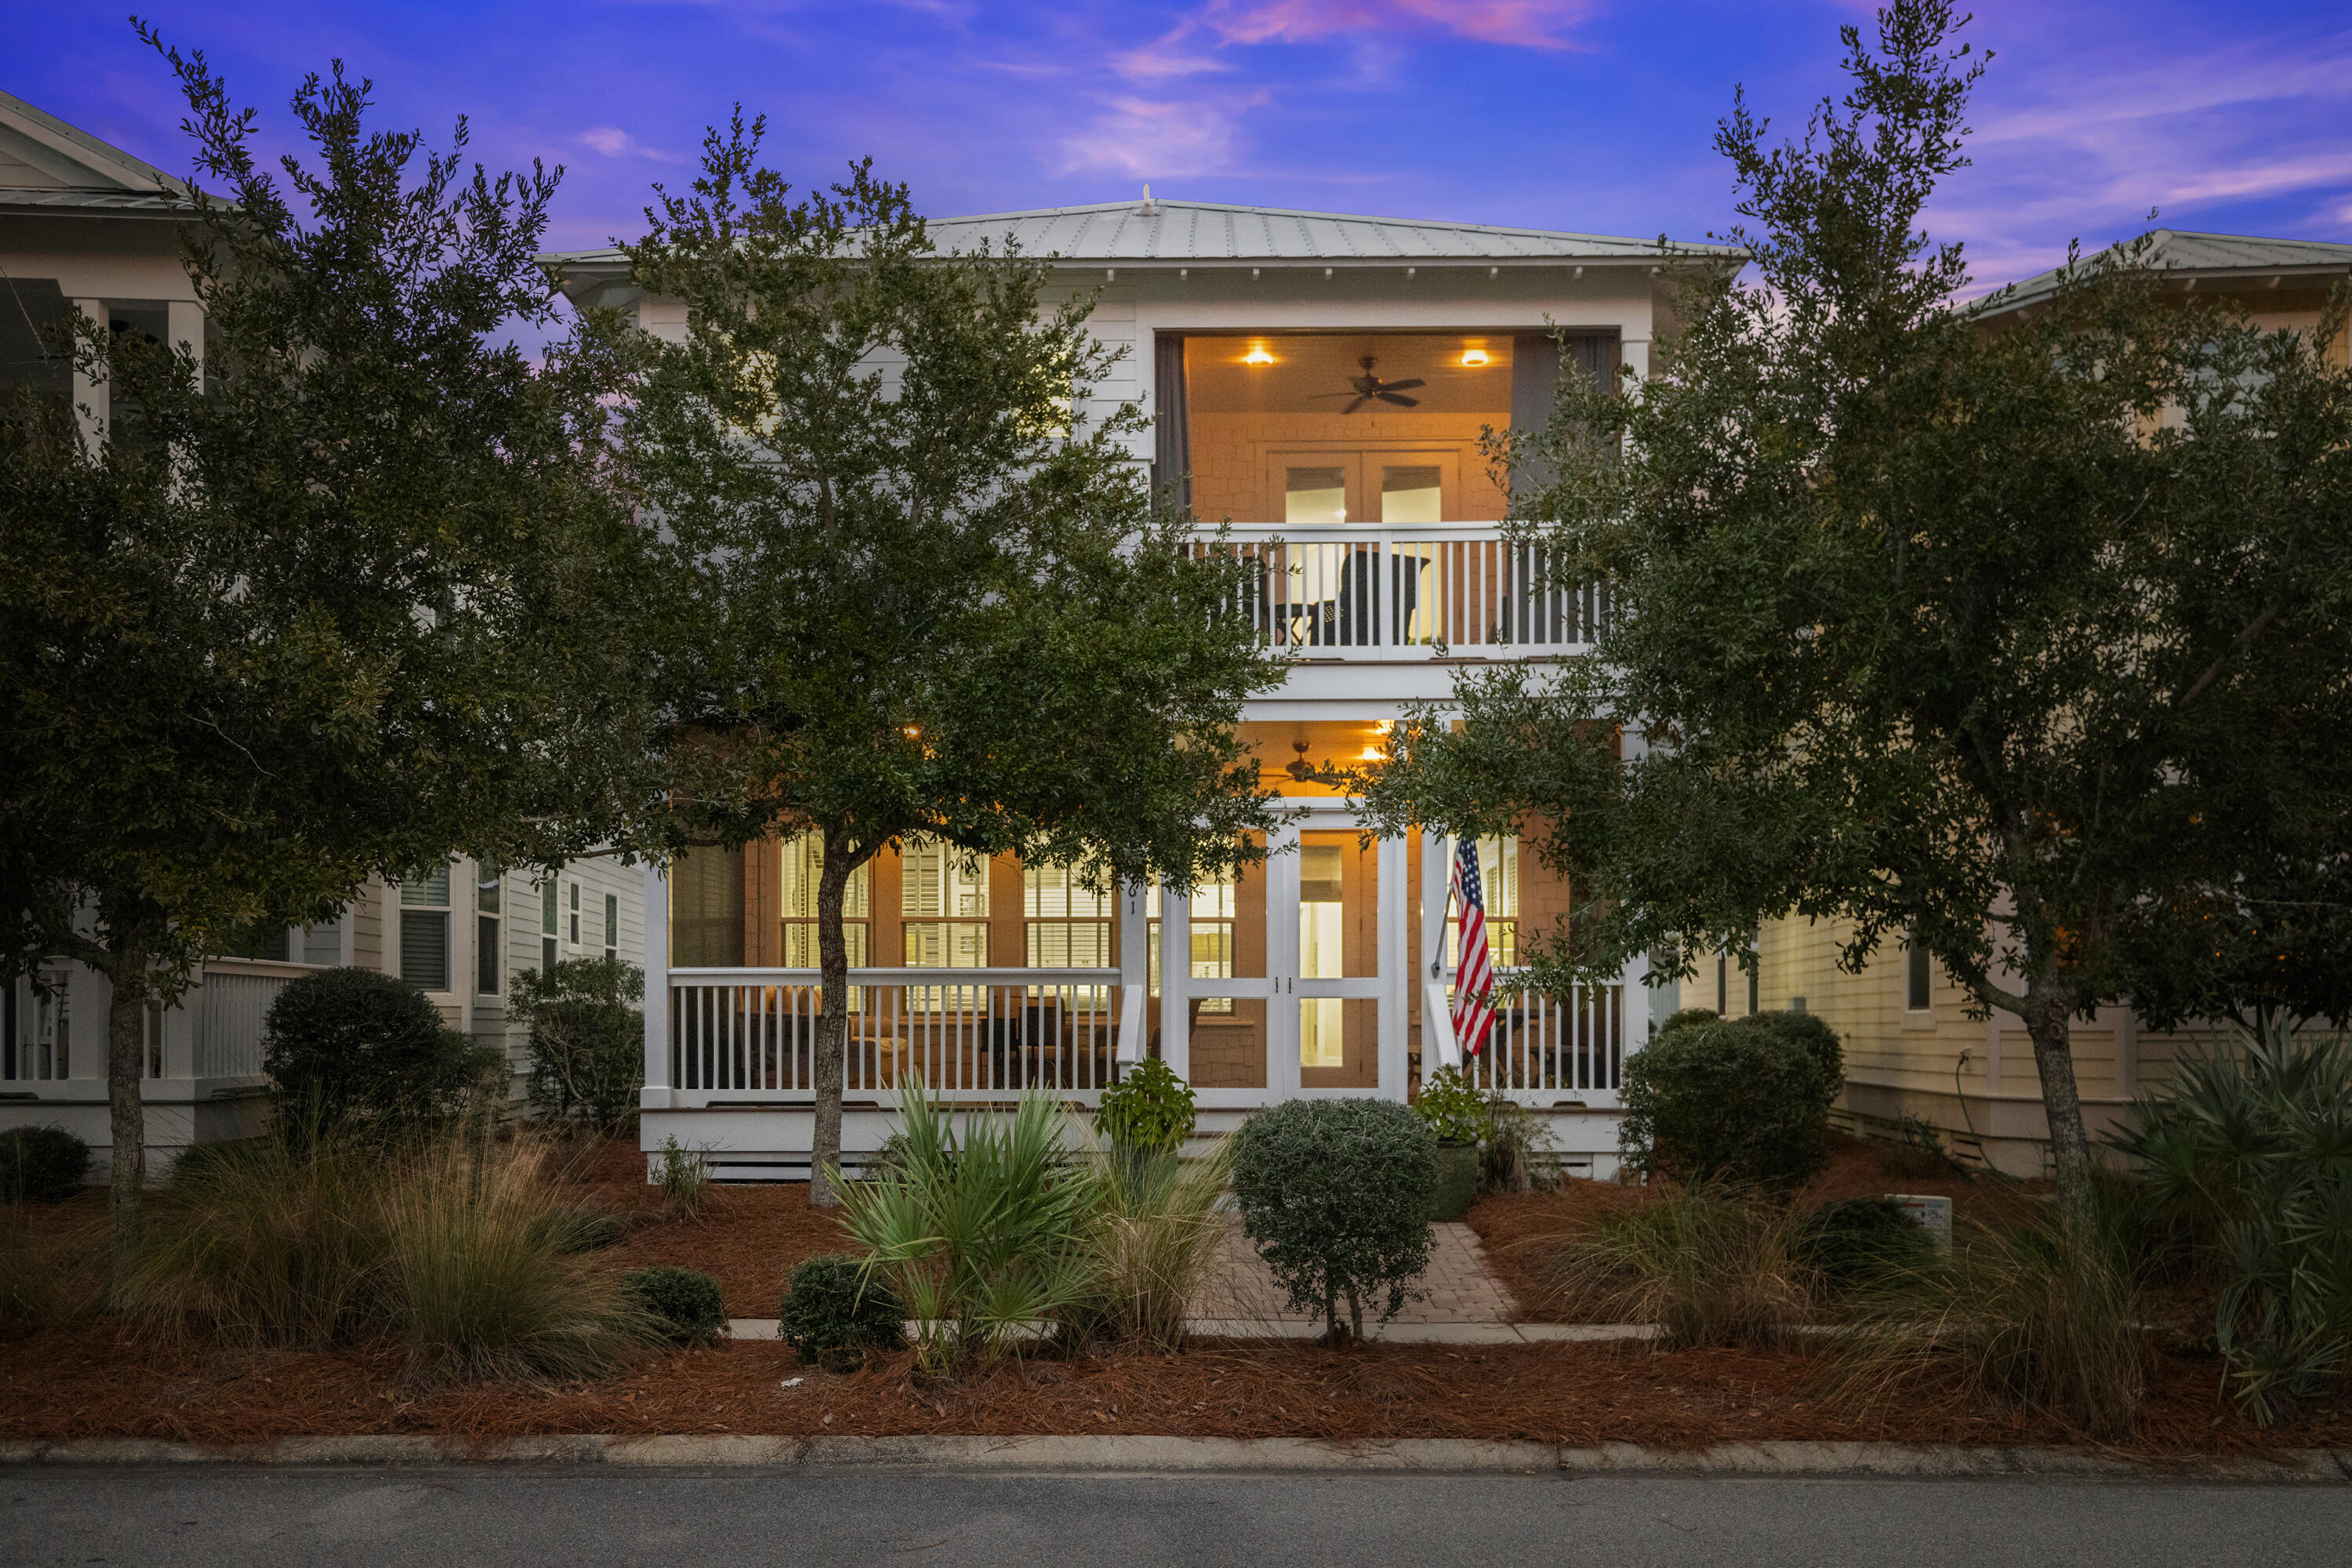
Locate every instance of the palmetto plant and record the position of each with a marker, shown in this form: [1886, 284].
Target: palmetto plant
[2251, 1150]
[983, 1230]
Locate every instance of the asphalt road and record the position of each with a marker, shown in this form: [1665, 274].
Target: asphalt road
[164, 1518]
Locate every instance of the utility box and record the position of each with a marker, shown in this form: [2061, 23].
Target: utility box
[1932, 1215]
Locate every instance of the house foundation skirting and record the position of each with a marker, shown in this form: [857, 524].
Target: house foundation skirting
[2007, 1131]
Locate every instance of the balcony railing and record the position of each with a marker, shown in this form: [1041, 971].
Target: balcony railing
[1378, 593]
[966, 1033]
[1547, 1050]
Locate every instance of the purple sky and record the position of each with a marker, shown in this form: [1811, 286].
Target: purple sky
[1591, 116]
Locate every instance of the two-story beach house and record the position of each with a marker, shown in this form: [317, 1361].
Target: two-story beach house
[1322, 381]
[85, 226]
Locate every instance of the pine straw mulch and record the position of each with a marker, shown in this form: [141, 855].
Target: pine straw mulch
[747, 1237]
[1521, 1232]
[89, 1380]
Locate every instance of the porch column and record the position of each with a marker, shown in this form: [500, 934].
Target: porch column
[185, 325]
[1175, 981]
[90, 394]
[1134, 969]
[1395, 965]
[657, 1094]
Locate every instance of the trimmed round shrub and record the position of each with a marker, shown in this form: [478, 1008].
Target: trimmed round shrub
[1149, 1110]
[587, 1039]
[1742, 1099]
[353, 1045]
[834, 1309]
[41, 1164]
[1855, 1240]
[1334, 1194]
[686, 1301]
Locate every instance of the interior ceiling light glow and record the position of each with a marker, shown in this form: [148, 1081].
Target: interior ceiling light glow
[1475, 357]
[1258, 355]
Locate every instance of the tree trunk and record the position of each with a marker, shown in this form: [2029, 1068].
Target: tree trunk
[2070, 1145]
[833, 1020]
[126, 1071]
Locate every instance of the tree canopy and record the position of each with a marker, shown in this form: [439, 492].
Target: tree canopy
[338, 600]
[913, 584]
[2023, 639]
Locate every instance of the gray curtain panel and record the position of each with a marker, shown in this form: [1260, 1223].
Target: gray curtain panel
[1535, 361]
[1172, 466]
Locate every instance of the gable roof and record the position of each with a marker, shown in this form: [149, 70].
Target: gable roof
[1159, 233]
[2202, 256]
[46, 164]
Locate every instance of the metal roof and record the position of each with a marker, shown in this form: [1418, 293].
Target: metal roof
[49, 166]
[1172, 232]
[2199, 255]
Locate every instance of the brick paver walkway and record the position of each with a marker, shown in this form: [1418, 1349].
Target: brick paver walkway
[1457, 1286]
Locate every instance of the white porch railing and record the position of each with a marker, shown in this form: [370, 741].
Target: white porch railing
[230, 1007]
[973, 1034]
[1544, 1049]
[1387, 593]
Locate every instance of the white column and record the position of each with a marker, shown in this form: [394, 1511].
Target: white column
[185, 325]
[1396, 978]
[1175, 983]
[88, 393]
[656, 1095]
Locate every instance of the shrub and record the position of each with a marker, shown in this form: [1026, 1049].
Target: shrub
[2251, 1156]
[571, 1229]
[1335, 1194]
[452, 1245]
[1154, 1234]
[479, 1285]
[835, 1308]
[1456, 1114]
[985, 1233]
[41, 1164]
[1515, 1136]
[1710, 1265]
[587, 1039]
[2039, 1315]
[683, 1178]
[1855, 1240]
[1150, 1109]
[684, 1302]
[1743, 1100]
[351, 1045]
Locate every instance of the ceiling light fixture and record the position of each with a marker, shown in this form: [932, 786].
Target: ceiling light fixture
[1476, 357]
[1258, 355]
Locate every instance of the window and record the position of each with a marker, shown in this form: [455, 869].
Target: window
[487, 886]
[612, 925]
[1068, 924]
[943, 894]
[7, 1029]
[425, 930]
[1212, 938]
[53, 1027]
[575, 914]
[1755, 976]
[1722, 984]
[1498, 880]
[803, 860]
[155, 1039]
[547, 917]
[706, 910]
[1919, 977]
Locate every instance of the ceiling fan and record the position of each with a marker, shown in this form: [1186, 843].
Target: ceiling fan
[1368, 386]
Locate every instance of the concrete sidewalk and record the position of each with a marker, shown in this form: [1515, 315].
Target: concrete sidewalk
[1400, 1332]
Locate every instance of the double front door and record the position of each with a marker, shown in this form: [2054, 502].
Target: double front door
[1291, 974]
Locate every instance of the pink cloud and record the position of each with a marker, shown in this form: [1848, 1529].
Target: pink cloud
[1529, 24]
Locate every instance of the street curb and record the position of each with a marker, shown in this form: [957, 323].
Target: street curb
[1156, 1455]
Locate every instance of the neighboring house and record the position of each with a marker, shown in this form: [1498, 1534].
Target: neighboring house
[1911, 1050]
[85, 226]
[1259, 342]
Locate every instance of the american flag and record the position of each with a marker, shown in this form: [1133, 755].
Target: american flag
[1474, 982]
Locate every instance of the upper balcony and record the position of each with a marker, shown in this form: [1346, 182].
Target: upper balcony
[1429, 591]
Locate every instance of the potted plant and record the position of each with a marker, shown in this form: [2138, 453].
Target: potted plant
[1457, 1114]
[1147, 1115]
